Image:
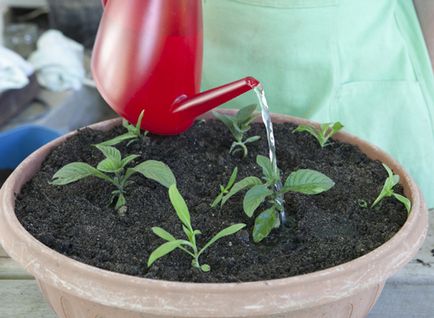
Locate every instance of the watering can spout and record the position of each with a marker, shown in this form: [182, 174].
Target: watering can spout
[158, 65]
[191, 107]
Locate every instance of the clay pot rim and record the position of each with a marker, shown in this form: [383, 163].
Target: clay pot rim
[7, 200]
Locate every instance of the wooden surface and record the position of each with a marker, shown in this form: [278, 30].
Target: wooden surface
[22, 299]
[19, 294]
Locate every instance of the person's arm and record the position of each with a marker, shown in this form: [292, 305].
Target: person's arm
[425, 12]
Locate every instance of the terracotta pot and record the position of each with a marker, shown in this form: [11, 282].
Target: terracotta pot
[76, 290]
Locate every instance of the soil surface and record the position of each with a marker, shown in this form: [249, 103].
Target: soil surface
[331, 228]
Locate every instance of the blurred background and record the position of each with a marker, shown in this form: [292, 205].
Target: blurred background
[45, 85]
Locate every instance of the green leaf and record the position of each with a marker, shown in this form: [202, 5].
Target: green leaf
[110, 153]
[225, 232]
[336, 127]
[254, 198]
[252, 139]
[139, 123]
[389, 171]
[240, 129]
[217, 200]
[224, 190]
[245, 183]
[403, 200]
[387, 189]
[308, 182]
[189, 233]
[163, 250]
[381, 196]
[226, 120]
[128, 159]
[75, 171]
[232, 179]
[324, 133]
[180, 206]
[157, 171]
[392, 179]
[129, 173]
[307, 128]
[125, 123]
[118, 139]
[162, 233]
[323, 128]
[246, 114]
[120, 202]
[230, 124]
[267, 167]
[131, 141]
[264, 223]
[311, 130]
[108, 165]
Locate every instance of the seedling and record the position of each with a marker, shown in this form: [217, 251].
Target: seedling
[239, 125]
[113, 169]
[189, 245]
[133, 133]
[323, 133]
[225, 189]
[387, 191]
[304, 181]
[362, 203]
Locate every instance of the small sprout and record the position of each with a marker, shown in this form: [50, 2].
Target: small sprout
[304, 181]
[113, 169]
[323, 133]
[225, 190]
[133, 133]
[189, 245]
[239, 125]
[362, 203]
[387, 191]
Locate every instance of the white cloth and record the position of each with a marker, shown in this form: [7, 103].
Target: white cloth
[58, 62]
[14, 70]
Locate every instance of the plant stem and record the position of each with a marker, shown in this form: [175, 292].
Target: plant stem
[241, 145]
[196, 261]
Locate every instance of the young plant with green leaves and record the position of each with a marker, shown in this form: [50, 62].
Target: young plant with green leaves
[225, 189]
[188, 245]
[114, 169]
[387, 190]
[133, 133]
[239, 125]
[323, 133]
[304, 181]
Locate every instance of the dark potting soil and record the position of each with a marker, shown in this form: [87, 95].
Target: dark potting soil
[4, 174]
[331, 228]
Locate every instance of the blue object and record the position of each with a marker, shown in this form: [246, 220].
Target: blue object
[16, 144]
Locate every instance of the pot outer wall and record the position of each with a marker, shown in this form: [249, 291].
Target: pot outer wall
[77, 290]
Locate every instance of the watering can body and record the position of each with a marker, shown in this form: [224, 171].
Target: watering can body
[148, 56]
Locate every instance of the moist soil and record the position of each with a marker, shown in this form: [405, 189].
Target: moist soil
[330, 228]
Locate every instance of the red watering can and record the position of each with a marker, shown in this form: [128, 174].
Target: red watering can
[148, 56]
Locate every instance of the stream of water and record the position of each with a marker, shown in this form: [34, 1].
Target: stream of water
[266, 118]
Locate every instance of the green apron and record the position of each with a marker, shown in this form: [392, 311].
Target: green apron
[363, 63]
